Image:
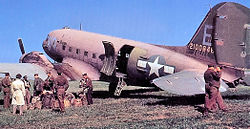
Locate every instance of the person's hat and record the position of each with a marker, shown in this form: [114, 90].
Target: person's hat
[19, 76]
[84, 74]
[25, 76]
[36, 74]
[7, 74]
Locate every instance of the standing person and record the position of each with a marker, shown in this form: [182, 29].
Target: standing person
[27, 90]
[61, 85]
[38, 85]
[216, 97]
[6, 83]
[213, 97]
[208, 77]
[48, 91]
[49, 82]
[86, 83]
[18, 93]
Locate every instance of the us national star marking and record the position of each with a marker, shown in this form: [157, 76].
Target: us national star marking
[154, 67]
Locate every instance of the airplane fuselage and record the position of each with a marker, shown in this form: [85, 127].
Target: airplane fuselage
[212, 43]
[88, 48]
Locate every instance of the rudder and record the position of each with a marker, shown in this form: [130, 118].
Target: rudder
[223, 36]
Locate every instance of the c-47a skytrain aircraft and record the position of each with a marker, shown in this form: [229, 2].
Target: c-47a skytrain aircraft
[223, 38]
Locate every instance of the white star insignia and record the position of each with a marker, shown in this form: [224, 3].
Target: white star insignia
[154, 67]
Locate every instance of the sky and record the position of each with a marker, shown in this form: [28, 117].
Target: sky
[164, 22]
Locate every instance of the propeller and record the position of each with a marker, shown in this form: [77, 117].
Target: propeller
[20, 41]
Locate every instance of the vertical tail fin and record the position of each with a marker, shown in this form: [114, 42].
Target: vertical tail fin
[222, 36]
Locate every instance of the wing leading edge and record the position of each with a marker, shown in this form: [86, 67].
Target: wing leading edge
[184, 83]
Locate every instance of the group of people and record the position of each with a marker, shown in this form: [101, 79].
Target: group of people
[213, 97]
[19, 89]
[17, 92]
[16, 89]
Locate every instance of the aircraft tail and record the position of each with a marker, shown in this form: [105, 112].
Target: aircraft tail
[223, 36]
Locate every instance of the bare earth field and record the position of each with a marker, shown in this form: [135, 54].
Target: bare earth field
[137, 108]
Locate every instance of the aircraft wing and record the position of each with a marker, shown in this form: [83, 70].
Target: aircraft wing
[184, 83]
[22, 68]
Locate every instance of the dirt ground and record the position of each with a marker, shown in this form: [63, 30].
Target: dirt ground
[137, 108]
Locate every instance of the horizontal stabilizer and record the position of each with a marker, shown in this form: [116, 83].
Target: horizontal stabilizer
[184, 83]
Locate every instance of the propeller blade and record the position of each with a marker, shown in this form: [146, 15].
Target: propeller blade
[21, 45]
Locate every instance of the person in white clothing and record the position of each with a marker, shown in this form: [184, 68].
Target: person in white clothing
[18, 93]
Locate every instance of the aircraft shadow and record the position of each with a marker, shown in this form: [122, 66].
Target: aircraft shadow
[237, 97]
[179, 100]
[166, 100]
[163, 100]
[124, 94]
[194, 100]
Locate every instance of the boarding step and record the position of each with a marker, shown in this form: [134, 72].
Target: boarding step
[121, 83]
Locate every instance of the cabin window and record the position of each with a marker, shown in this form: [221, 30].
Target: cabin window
[127, 55]
[63, 47]
[94, 55]
[70, 49]
[77, 51]
[85, 53]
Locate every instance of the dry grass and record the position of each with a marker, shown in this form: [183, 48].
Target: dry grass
[139, 108]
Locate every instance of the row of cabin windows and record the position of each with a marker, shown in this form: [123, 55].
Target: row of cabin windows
[78, 51]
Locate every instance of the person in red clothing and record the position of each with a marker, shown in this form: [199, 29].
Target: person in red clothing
[6, 82]
[48, 91]
[86, 83]
[213, 97]
[208, 77]
[61, 85]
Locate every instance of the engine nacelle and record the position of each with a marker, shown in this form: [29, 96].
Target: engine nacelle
[37, 58]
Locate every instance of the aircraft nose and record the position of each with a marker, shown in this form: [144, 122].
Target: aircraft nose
[45, 44]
